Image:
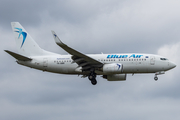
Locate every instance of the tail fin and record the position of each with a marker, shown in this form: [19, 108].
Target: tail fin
[25, 44]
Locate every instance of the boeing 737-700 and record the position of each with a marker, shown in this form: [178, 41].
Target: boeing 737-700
[113, 67]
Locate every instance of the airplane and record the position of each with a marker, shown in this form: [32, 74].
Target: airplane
[113, 67]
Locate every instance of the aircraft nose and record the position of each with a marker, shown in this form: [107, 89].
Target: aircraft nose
[172, 65]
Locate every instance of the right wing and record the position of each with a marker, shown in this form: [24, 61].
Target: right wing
[84, 61]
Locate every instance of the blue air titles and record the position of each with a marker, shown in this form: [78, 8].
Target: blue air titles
[124, 56]
[135, 56]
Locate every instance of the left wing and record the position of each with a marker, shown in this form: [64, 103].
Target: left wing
[84, 61]
[18, 56]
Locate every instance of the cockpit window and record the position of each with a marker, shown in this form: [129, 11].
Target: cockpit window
[163, 58]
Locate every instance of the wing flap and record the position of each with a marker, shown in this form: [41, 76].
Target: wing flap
[18, 56]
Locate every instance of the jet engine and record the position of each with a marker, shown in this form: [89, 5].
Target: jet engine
[115, 77]
[113, 68]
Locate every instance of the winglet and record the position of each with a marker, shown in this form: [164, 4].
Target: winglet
[56, 38]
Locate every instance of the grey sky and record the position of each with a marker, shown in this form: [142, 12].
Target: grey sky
[108, 26]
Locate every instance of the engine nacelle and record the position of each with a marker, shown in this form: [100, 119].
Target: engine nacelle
[115, 77]
[113, 68]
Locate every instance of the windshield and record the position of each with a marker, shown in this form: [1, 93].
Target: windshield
[163, 59]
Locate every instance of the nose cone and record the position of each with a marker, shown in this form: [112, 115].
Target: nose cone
[172, 65]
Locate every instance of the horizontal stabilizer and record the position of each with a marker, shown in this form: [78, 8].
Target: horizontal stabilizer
[18, 56]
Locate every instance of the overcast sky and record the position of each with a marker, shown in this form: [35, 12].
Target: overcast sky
[91, 26]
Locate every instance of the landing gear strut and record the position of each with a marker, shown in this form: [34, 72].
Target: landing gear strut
[92, 78]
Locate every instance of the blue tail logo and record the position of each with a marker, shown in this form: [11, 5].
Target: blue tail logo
[24, 34]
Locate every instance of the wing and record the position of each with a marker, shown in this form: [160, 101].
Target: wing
[86, 62]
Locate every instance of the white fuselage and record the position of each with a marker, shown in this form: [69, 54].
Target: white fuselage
[112, 67]
[132, 63]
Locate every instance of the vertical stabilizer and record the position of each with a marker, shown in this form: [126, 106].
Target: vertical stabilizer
[25, 44]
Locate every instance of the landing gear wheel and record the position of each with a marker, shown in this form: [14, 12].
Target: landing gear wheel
[94, 82]
[155, 78]
[90, 77]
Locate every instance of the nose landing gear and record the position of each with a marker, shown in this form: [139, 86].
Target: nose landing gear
[155, 78]
[158, 73]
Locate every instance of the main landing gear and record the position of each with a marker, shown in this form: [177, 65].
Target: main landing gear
[92, 78]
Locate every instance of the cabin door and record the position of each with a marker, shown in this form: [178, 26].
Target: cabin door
[152, 60]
